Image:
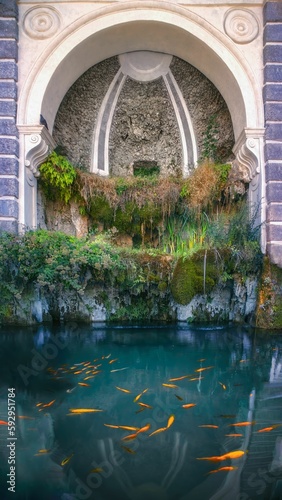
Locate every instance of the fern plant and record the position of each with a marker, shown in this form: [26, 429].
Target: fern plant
[57, 176]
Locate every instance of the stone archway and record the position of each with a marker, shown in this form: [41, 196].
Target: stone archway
[120, 28]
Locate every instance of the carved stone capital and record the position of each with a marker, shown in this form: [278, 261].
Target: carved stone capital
[38, 143]
[247, 151]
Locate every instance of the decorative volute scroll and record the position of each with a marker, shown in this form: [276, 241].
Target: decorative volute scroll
[248, 154]
[38, 143]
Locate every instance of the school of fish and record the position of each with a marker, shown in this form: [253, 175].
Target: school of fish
[92, 369]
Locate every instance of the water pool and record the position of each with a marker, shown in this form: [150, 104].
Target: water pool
[209, 391]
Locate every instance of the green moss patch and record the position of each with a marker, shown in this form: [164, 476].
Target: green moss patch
[195, 275]
[269, 306]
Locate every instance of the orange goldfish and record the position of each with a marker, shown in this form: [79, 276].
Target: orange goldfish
[112, 361]
[83, 384]
[112, 426]
[158, 430]
[83, 410]
[76, 373]
[223, 469]
[49, 404]
[123, 390]
[234, 454]
[129, 437]
[242, 424]
[196, 378]
[139, 395]
[189, 405]
[144, 429]
[269, 429]
[170, 421]
[234, 435]
[172, 386]
[203, 369]
[128, 428]
[3, 422]
[145, 405]
[209, 426]
[96, 471]
[179, 378]
[231, 455]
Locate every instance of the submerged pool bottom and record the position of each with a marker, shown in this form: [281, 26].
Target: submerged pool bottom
[140, 413]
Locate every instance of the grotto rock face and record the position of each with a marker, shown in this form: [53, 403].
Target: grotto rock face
[76, 118]
[144, 124]
[144, 128]
[233, 302]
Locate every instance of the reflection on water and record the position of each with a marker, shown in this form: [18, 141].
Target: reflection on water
[227, 376]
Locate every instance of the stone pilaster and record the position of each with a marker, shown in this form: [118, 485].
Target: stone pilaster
[9, 145]
[272, 92]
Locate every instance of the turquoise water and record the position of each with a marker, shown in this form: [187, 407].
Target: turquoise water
[233, 376]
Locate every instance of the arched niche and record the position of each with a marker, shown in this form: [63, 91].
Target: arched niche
[148, 26]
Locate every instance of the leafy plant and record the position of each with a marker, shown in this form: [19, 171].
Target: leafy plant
[57, 177]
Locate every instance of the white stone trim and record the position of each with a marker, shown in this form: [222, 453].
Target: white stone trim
[184, 139]
[38, 144]
[107, 125]
[185, 34]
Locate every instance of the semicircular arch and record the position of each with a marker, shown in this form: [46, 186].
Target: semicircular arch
[120, 28]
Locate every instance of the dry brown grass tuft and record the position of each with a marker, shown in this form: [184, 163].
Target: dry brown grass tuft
[163, 192]
[202, 186]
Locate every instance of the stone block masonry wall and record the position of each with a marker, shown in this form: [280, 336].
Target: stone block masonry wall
[9, 145]
[273, 124]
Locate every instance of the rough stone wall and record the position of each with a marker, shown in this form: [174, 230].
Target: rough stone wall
[203, 101]
[144, 124]
[76, 117]
[144, 128]
[9, 146]
[273, 126]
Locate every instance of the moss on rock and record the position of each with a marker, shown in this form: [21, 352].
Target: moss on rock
[269, 306]
[195, 275]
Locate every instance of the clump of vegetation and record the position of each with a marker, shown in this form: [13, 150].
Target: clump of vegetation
[142, 206]
[269, 306]
[195, 275]
[58, 264]
[57, 177]
[206, 186]
[188, 235]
